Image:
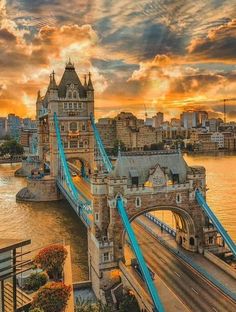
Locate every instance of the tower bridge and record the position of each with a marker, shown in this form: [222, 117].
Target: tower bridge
[108, 197]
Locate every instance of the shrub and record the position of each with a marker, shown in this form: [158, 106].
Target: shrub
[36, 310]
[51, 259]
[52, 297]
[36, 280]
[129, 303]
[83, 305]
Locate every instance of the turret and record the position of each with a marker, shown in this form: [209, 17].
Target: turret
[90, 89]
[85, 82]
[90, 85]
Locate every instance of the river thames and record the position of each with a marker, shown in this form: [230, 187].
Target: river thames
[52, 222]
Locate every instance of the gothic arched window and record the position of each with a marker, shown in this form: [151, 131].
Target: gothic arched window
[70, 95]
[74, 95]
[73, 126]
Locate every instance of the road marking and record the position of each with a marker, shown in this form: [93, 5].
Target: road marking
[214, 309]
[194, 290]
[177, 274]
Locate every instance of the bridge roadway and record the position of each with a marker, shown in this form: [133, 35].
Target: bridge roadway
[185, 282]
[198, 294]
[83, 186]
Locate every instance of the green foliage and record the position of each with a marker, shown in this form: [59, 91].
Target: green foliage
[51, 259]
[83, 305]
[52, 297]
[36, 310]
[12, 148]
[129, 303]
[154, 147]
[36, 280]
[116, 146]
[189, 147]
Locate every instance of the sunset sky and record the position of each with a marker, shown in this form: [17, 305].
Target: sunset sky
[166, 55]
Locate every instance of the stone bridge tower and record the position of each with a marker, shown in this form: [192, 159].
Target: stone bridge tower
[73, 102]
[147, 182]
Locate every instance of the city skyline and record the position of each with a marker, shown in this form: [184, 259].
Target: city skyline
[164, 56]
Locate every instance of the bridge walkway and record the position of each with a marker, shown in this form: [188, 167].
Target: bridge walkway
[83, 186]
[165, 293]
[200, 260]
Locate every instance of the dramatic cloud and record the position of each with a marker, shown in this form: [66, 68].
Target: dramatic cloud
[165, 55]
[218, 45]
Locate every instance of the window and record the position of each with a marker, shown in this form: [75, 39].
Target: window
[191, 241]
[178, 198]
[81, 144]
[96, 217]
[83, 127]
[73, 144]
[73, 126]
[75, 105]
[211, 240]
[80, 105]
[106, 256]
[65, 144]
[62, 128]
[138, 202]
[74, 95]
[65, 106]
[70, 105]
[86, 143]
[70, 95]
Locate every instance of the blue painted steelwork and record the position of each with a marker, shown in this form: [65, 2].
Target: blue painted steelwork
[161, 224]
[188, 260]
[138, 253]
[215, 221]
[80, 201]
[105, 158]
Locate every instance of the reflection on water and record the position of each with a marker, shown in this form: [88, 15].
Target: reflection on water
[221, 181]
[47, 223]
[44, 223]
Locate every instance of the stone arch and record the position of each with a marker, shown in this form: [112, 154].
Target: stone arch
[188, 229]
[85, 166]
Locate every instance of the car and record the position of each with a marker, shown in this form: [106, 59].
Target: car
[73, 174]
[135, 265]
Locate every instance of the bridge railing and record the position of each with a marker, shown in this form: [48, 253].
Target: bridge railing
[189, 261]
[215, 221]
[73, 192]
[161, 224]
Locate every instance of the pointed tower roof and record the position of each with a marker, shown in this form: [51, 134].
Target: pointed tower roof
[85, 82]
[90, 85]
[70, 77]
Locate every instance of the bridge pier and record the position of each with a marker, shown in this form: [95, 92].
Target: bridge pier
[39, 190]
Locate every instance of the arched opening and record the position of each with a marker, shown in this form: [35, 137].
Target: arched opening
[181, 231]
[70, 95]
[191, 241]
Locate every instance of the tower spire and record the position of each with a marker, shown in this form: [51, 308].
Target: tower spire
[90, 85]
[85, 81]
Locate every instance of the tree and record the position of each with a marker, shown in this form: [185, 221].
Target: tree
[118, 144]
[52, 297]
[12, 148]
[157, 146]
[51, 259]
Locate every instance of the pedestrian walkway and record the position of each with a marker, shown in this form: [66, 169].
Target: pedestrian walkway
[213, 270]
